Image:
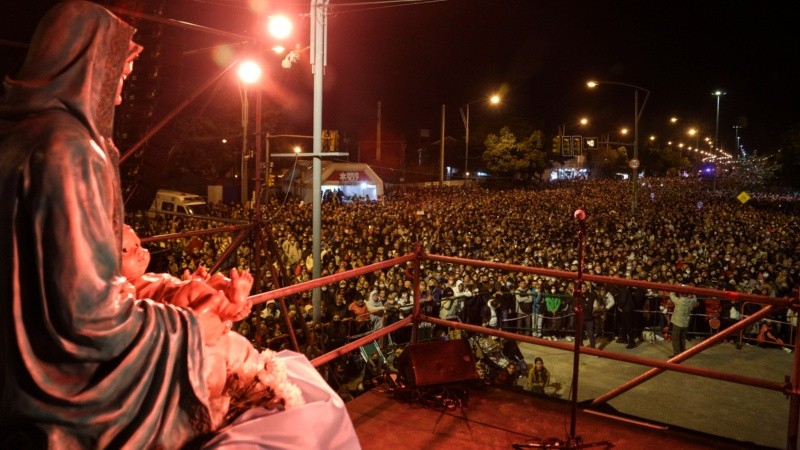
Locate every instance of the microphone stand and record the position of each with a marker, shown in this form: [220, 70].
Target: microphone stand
[573, 441]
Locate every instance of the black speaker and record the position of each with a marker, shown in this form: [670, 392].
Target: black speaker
[436, 362]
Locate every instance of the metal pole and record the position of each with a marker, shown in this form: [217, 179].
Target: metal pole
[378, 135]
[319, 14]
[256, 213]
[635, 170]
[577, 306]
[245, 116]
[716, 130]
[466, 145]
[266, 163]
[736, 130]
[794, 400]
[718, 94]
[256, 172]
[441, 153]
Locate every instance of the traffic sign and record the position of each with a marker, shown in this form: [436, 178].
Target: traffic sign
[633, 163]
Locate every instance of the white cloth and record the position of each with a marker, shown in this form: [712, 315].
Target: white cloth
[322, 423]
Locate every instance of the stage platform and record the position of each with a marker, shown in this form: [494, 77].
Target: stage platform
[693, 412]
[497, 417]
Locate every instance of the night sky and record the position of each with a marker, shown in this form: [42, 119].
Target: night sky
[414, 57]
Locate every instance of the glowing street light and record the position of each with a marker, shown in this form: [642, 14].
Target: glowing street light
[249, 72]
[637, 114]
[464, 110]
[279, 27]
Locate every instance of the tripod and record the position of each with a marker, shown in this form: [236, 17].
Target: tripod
[573, 441]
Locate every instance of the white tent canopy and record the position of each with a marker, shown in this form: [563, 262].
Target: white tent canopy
[353, 179]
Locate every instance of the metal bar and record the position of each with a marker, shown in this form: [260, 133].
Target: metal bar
[794, 401]
[171, 115]
[415, 331]
[347, 348]
[706, 373]
[237, 241]
[306, 154]
[577, 306]
[684, 356]
[727, 295]
[308, 285]
[166, 237]
[176, 23]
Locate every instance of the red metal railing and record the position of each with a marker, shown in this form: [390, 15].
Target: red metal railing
[789, 387]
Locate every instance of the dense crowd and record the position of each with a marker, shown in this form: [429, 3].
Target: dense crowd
[683, 232]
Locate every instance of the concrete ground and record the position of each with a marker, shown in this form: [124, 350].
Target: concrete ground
[674, 399]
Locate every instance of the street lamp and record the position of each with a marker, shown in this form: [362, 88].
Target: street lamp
[249, 73]
[279, 27]
[637, 114]
[717, 94]
[494, 100]
[696, 133]
[736, 128]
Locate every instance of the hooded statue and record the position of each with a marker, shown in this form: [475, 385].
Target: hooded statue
[84, 364]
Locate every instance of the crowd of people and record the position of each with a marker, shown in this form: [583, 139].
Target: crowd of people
[683, 232]
[88, 328]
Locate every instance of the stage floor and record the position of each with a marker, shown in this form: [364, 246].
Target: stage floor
[497, 417]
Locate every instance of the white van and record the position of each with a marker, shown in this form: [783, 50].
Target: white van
[179, 202]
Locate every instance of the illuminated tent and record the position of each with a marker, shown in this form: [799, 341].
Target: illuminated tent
[352, 179]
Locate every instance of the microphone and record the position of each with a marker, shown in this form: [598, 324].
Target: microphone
[579, 214]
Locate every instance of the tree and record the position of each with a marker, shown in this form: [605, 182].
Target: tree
[505, 155]
[606, 161]
[755, 172]
[788, 158]
[660, 161]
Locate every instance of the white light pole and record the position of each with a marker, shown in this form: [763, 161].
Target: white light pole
[319, 36]
[738, 147]
[717, 94]
[494, 99]
[637, 114]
